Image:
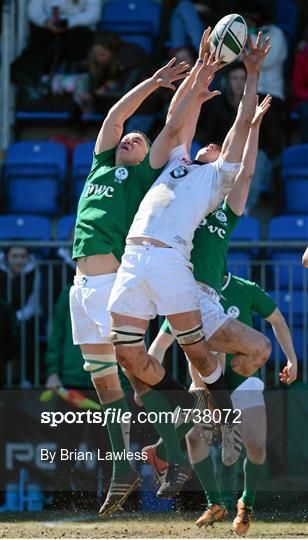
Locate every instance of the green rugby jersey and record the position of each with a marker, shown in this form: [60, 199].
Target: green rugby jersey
[240, 298]
[211, 243]
[108, 203]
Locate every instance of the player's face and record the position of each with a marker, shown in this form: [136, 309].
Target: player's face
[131, 150]
[209, 153]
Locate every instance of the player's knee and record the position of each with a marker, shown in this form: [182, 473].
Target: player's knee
[263, 350]
[126, 358]
[256, 453]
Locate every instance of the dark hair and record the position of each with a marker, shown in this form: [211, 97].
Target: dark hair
[218, 143]
[234, 66]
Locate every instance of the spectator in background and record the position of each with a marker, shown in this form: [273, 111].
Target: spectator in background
[186, 54]
[300, 84]
[186, 27]
[271, 80]
[20, 282]
[61, 32]
[63, 360]
[111, 69]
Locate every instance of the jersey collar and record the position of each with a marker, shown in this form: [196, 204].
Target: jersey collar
[227, 282]
[197, 162]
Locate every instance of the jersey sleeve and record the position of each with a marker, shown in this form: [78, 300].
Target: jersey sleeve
[103, 158]
[232, 218]
[261, 301]
[165, 327]
[148, 175]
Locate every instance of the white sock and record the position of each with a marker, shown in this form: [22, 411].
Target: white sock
[210, 379]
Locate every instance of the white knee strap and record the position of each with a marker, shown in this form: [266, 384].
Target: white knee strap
[100, 365]
[127, 336]
[190, 336]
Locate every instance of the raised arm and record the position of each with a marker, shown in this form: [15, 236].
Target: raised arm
[189, 128]
[112, 128]
[237, 198]
[233, 146]
[186, 114]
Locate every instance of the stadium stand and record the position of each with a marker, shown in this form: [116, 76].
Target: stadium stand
[81, 163]
[64, 227]
[24, 227]
[34, 172]
[294, 163]
[240, 260]
[136, 22]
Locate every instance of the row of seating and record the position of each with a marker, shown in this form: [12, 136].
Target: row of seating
[34, 175]
[33, 227]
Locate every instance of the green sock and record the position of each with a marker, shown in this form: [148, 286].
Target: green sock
[206, 475]
[227, 485]
[115, 430]
[181, 431]
[252, 475]
[155, 401]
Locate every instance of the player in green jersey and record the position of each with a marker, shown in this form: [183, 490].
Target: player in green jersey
[122, 171]
[240, 298]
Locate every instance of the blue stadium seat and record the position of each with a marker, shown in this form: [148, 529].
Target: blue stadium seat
[291, 304]
[24, 227]
[296, 196]
[34, 173]
[289, 272]
[240, 264]
[247, 229]
[81, 164]
[294, 162]
[35, 159]
[137, 20]
[65, 226]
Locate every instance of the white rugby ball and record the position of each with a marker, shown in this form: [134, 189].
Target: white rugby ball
[228, 38]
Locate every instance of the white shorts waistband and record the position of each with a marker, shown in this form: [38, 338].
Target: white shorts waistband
[93, 281]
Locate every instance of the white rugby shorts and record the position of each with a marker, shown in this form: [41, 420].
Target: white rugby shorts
[153, 280]
[88, 305]
[213, 315]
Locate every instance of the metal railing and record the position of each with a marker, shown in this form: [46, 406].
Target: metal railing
[270, 274]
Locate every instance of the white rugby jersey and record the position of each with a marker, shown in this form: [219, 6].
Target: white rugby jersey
[180, 198]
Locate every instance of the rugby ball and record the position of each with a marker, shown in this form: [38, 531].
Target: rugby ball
[228, 38]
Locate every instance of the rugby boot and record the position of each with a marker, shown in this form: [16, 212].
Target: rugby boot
[176, 477]
[231, 444]
[242, 521]
[159, 466]
[213, 513]
[119, 490]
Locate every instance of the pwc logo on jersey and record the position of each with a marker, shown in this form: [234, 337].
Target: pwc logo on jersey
[233, 311]
[179, 172]
[121, 173]
[99, 190]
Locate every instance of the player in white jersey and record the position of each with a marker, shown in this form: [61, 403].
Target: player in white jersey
[155, 274]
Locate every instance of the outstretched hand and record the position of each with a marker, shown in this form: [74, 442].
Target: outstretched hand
[171, 72]
[256, 55]
[205, 76]
[289, 373]
[261, 109]
[204, 47]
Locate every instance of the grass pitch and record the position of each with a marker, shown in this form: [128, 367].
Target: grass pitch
[128, 525]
